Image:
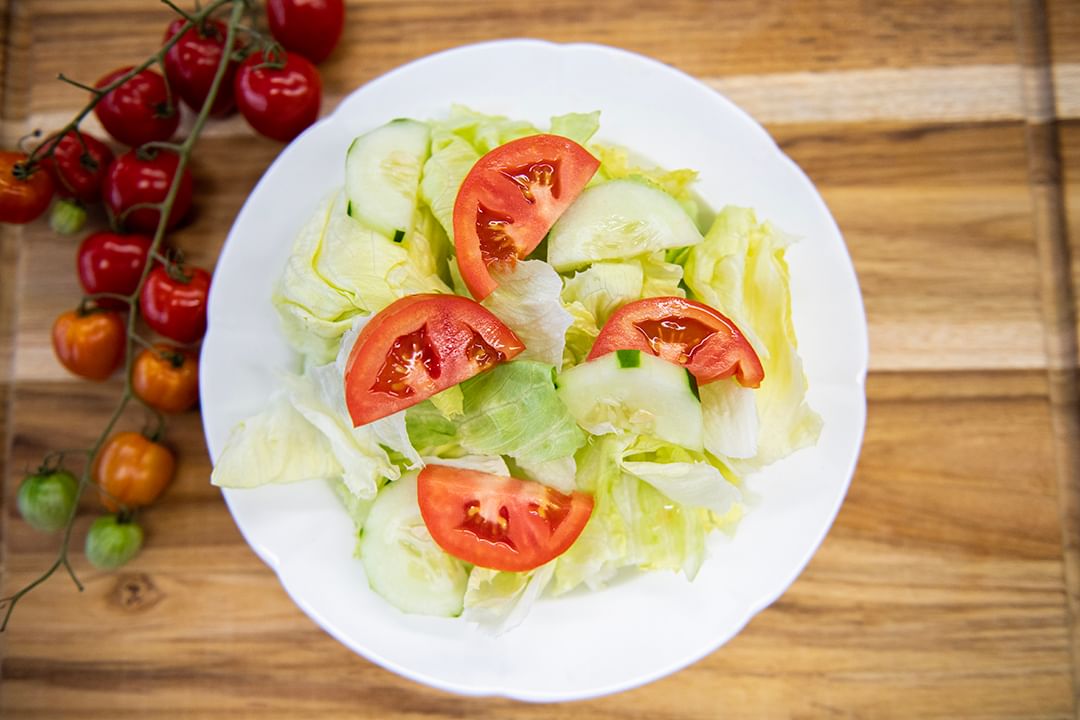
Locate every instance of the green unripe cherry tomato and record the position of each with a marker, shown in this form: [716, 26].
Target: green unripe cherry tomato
[111, 543]
[45, 500]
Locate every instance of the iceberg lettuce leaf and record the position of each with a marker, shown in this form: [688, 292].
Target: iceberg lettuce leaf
[579, 127]
[493, 422]
[632, 524]
[498, 601]
[740, 269]
[275, 446]
[528, 301]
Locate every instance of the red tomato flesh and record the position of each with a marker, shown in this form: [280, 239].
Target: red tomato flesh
[509, 201]
[418, 346]
[684, 332]
[499, 522]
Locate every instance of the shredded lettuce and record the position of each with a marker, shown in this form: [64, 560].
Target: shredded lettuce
[740, 270]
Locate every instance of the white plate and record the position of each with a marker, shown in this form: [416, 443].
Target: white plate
[585, 644]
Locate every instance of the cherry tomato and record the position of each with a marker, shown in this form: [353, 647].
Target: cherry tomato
[279, 102]
[418, 346]
[112, 263]
[89, 344]
[174, 307]
[24, 194]
[509, 201]
[135, 180]
[111, 542]
[45, 499]
[309, 27]
[684, 332]
[167, 378]
[132, 470]
[192, 63]
[139, 111]
[77, 170]
[499, 522]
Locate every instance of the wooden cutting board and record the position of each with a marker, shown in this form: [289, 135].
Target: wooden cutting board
[945, 137]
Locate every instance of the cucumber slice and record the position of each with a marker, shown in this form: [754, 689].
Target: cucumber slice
[382, 176]
[634, 391]
[618, 219]
[402, 562]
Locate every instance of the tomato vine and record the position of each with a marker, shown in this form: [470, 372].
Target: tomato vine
[238, 9]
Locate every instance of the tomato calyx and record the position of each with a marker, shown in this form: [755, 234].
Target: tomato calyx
[23, 171]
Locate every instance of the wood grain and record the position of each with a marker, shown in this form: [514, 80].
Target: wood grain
[1058, 297]
[943, 589]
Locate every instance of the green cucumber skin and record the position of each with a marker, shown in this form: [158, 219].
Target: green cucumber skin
[628, 358]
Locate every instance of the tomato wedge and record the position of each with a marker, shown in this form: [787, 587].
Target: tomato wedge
[509, 201]
[685, 332]
[499, 522]
[418, 346]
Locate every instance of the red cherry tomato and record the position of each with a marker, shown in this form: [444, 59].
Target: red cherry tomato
[175, 308]
[78, 170]
[281, 99]
[192, 63]
[684, 332]
[112, 263]
[309, 27]
[89, 344]
[133, 180]
[418, 346]
[509, 201]
[24, 195]
[498, 522]
[138, 111]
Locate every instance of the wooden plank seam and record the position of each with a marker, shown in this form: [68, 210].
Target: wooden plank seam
[1057, 295]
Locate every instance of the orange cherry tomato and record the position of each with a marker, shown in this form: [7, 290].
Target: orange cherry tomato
[167, 378]
[89, 344]
[132, 470]
[23, 197]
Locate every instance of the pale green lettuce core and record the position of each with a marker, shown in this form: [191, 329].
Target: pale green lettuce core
[740, 270]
